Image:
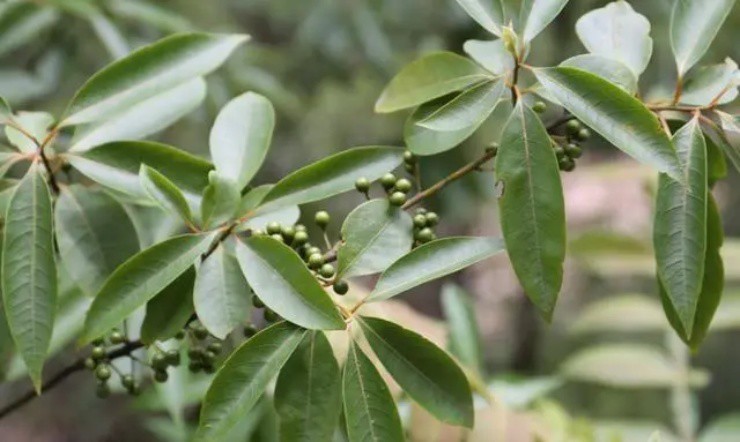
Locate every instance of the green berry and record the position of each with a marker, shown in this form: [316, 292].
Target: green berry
[288, 233]
[362, 185]
[102, 390]
[173, 357]
[388, 181]
[539, 107]
[315, 261]
[215, 347]
[195, 354]
[583, 134]
[409, 168]
[200, 332]
[322, 218]
[277, 237]
[159, 361]
[116, 337]
[98, 342]
[403, 185]
[180, 335]
[257, 232]
[567, 164]
[432, 219]
[127, 382]
[424, 235]
[270, 316]
[195, 366]
[341, 287]
[312, 251]
[90, 363]
[300, 238]
[208, 368]
[572, 127]
[420, 221]
[98, 353]
[573, 150]
[273, 228]
[326, 270]
[135, 390]
[559, 151]
[160, 376]
[397, 198]
[102, 372]
[209, 357]
[257, 302]
[299, 228]
[249, 331]
[409, 157]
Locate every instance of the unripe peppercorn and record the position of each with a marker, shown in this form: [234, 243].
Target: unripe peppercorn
[102, 372]
[341, 287]
[161, 376]
[409, 157]
[116, 337]
[397, 198]
[388, 181]
[249, 331]
[300, 238]
[195, 366]
[299, 228]
[315, 261]
[432, 219]
[200, 332]
[573, 126]
[173, 357]
[539, 107]
[214, 347]
[424, 235]
[288, 234]
[327, 271]
[98, 342]
[90, 363]
[98, 353]
[583, 134]
[403, 185]
[362, 185]
[127, 381]
[420, 220]
[567, 164]
[257, 232]
[273, 228]
[159, 361]
[270, 316]
[322, 219]
[102, 390]
[312, 251]
[573, 150]
[277, 237]
[559, 151]
[195, 353]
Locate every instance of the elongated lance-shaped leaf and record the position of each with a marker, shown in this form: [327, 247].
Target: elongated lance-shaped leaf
[463, 337]
[607, 68]
[241, 137]
[680, 231]
[617, 116]
[375, 235]
[29, 277]
[433, 260]
[471, 107]
[427, 78]
[332, 176]
[370, 413]
[281, 280]
[221, 294]
[147, 71]
[694, 24]
[308, 392]
[531, 208]
[536, 15]
[140, 279]
[164, 192]
[717, 82]
[242, 379]
[169, 311]
[423, 370]
[94, 235]
[490, 54]
[488, 13]
[712, 284]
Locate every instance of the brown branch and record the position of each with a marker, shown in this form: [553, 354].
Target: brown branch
[52, 179]
[55, 380]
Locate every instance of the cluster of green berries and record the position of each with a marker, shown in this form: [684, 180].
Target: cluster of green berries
[99, 363]
[571, 150]
[268, 314]
[424, 223]
[294, 236]
[161, 361]
[395, 188]
[202, 354]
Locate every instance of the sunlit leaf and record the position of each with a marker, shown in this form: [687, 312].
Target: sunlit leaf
[716, 82]
[470, 108]
[488, 13]
[34, 124]
[694, 24]
[490, 54]
[164, 192]
[610, 69]
[535, 15]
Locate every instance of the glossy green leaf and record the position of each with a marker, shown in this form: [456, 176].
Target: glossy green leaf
[620, 118]
[281, 280]
[716, 82]
[375, 235]
[94, 235]
[34, 124]
[140, 279]
[147, 71]
[116, 165]
[20, 22]
[423, 370]
[427, 78]
[492, 55]
[144, 118]
[619, 33]
[164, 192]
[532, 209]
[680, 231]
[729, 139]
[488, 13]
[221, 295]
[694, 24]
[469, 109]
[370, 413]
[464, 340]
[610, 69]
[711, 286]
[308, 392]
[220, 200]
[29, 280]
[332, 176]
[434, 260]
[535, 15]
[169, 311]
[716, 163]
[285, 216]
[241, 136]
[242, 379]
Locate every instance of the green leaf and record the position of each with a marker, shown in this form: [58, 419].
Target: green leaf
[29, 280]
[711, 286]
[308, 392]
[434, 260]
[221, 294]
[423, 370]
[94, 235]
[488, 13]
[285, 216]
[694, 24]
[6, 113]
[164, 192]
[427, 78]
[375, 235]
[620, 118]
[220, 200]
[722, 429]
[532, 209]
[144, 118]
[619, 33]
[242, 379]
[369, 410]
[34, 124]
[152, 14]
[20, 22]
[147, 71]
[492, 55]
[535, 15]
[140, 279]
[116, 165]
[607, 68]
[679, 230]
[729, 138]
[332, 176]
[716, 163]
[718, 81]
[620, 314]
[463, 336]
[241, 136]
[469, 109]
[169, 311]
[281, 280]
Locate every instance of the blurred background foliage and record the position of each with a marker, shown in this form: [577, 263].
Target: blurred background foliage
[607, 368]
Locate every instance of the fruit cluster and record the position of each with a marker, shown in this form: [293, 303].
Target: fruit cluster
[570, 150]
